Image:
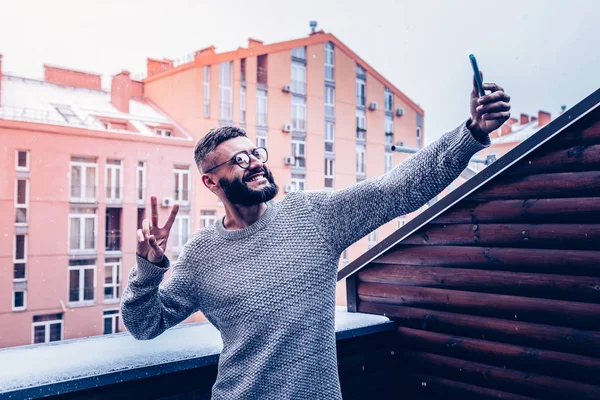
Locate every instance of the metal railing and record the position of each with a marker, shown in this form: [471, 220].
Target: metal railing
[113, 240]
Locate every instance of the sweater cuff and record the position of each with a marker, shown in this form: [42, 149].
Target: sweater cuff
[147, 271]
[464, 143]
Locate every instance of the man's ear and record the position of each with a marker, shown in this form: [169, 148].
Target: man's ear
[209, 182]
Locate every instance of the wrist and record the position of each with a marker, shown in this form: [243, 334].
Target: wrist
[476, 131]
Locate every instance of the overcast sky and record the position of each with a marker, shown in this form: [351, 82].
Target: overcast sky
[544, 53]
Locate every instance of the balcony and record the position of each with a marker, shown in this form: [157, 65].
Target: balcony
[83, 194]
[113, 241]
[182, 363]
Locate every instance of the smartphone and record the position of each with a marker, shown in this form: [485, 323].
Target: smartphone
[477, 75]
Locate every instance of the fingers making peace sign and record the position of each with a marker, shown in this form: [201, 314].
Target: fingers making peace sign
[151, 239]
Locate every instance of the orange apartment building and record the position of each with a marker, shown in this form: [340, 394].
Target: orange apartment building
[78, 165]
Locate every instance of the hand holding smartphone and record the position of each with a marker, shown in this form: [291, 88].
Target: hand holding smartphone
[477, 74]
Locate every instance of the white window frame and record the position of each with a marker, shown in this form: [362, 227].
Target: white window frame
[22, 206]
[401, 222]
[372, 238]
[261, 139]
[299, 114]
[84, 165]
[299, 152]
[361, 101]
[388, 122]
[361, 155]
[46, 325]
[345, 257]
[329, 101]
[296, 184]
[298, 78]
[82, 269]
[419, 137]
[82, 217]
[113, 317]
[24, 306]
[117, 266]
[329, 66]
[163, 132]
[261, 103]
[180, 172]
[18, 260]
[330, 136]
[26, 167]
[113, 170]
[242, 104]
[389, 161]
[177, 237]
[329, 172]
[206, 85]
[140, 168]
[226, 91]
[388, 99]
[299, 52]
[207, 220]
[361, 124]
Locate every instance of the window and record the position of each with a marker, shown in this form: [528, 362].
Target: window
[22, 160]
[298, 113]
[345, 257]
[114, 179]
[261, 107]
[298, 78]
[47, 328]
[207, 218]
[261, 139]
[329, 61]
[243, 70]
[82, 230]
[82, 282]
[20, 257]
[360, 71]
[68, 114]
[110, 321]
[206, 84]
[329, 102]
[418, 137]
[329, 173]
[19, 300]
[140, 179]
[181, 175]
[261, 70]
[360, 159]
[372, 239]
[299, 153]
[112, 279]
[21, 201]
[298, 182]
[163, 132]
[389, 161]
[401, 222]
[360, 92]
[329, 136]
[388, 100]
[389, 125]
[243, 105]
[181, 229]
[361, 125]
[83, 180]
[299, 52]
[225, 91]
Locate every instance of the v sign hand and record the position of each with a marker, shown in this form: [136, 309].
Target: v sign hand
[152, 240]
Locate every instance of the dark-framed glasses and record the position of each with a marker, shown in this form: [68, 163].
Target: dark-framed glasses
[242, 158]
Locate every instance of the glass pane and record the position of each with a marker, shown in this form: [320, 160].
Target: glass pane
[108, 274]
[21, 191]
[176, 178]
[20, 215]
[74, 240]
[23, 159]
[75, 181]
[74, 285]
[19, 271]
[20, 247]
[116, 324]
[108, 293]
[39, 334]
[109, 182]
[90, 242]
[90, 189]
[88, 292]
[118, 183]
[185, 187]
[185, 228]
[55, 332]
[140, 183]
[107, 326]
[19, 299]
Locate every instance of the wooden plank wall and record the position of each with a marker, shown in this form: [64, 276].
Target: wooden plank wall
[499, 297]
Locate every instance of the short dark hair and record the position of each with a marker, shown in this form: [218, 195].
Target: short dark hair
[204, 153]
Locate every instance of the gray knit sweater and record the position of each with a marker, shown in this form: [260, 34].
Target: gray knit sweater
[270, 288]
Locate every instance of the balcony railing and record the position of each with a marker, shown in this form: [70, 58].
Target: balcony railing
[113, 240]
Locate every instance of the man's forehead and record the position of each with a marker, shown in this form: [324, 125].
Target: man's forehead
[229, 147]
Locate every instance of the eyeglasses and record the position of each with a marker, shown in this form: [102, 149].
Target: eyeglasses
[242, 159]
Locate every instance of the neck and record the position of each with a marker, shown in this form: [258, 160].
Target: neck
[240, 217]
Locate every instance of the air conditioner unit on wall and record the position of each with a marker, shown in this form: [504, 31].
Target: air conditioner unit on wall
[167, 202]
[399, 112]
[373, 105]
[287, 127]
[287, 88]
[288, 160]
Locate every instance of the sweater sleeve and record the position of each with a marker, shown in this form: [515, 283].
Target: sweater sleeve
[148, 308]
[346, 215]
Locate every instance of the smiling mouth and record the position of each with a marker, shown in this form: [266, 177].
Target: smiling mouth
[256, 177]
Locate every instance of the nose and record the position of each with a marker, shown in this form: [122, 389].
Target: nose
[256, 161]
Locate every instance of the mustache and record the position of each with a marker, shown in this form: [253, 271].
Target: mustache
[256, 171]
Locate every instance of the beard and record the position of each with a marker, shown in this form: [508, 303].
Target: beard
[238, 192]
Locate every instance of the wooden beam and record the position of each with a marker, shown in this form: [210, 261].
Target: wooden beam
[351, 295]
[568, 184]
[578, 137]
[564, 287]
[567, 262]
[576, 341]
[577, 158]
[583, 209]
[556, 312]
[554, 236]
[547, 362]
[520, 382]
